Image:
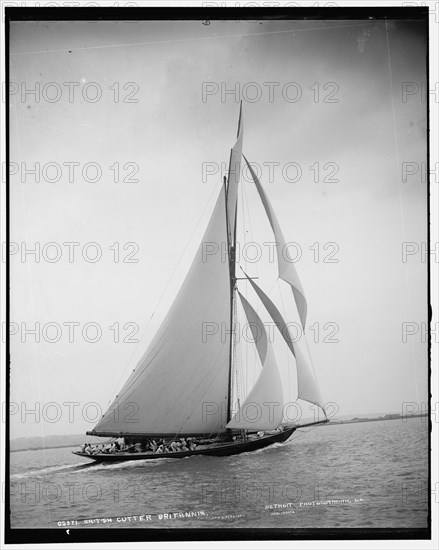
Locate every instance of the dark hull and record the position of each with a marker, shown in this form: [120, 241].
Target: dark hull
[219, 449]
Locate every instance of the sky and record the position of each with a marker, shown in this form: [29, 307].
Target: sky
[338, 139]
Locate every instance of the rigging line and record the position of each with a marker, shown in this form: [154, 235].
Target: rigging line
[244, 231]
[242, 381]
[244, 317]
[237, 359]
[244, 226]
[302, 433]
[181, 40]
[242, 378]
[163, 292]
[401, 207]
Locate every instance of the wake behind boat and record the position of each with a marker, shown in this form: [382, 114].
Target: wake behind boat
[178, 401]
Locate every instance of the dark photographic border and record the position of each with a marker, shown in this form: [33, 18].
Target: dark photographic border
[79, 535]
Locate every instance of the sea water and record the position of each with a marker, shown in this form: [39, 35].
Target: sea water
[366, 475]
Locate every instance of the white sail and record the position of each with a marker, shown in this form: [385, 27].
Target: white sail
[233, 178]
[256, 326]
[263, 406]
[308, 387]
[307, 384]
[287, 271]
[275, 314]
[180, 384]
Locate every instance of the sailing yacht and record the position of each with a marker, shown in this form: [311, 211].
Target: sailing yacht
[178, 400]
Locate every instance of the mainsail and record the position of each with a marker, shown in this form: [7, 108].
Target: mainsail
[180, 384]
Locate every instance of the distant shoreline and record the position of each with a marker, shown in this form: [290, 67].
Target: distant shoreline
[330, 423]
[380, 418]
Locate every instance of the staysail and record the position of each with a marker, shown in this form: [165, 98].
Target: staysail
[180, 384]
[287, 271]
[308, 387]
[263, 407]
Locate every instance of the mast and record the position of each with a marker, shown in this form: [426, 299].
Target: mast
[229, 375]
[231, 246]
[231, 243]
